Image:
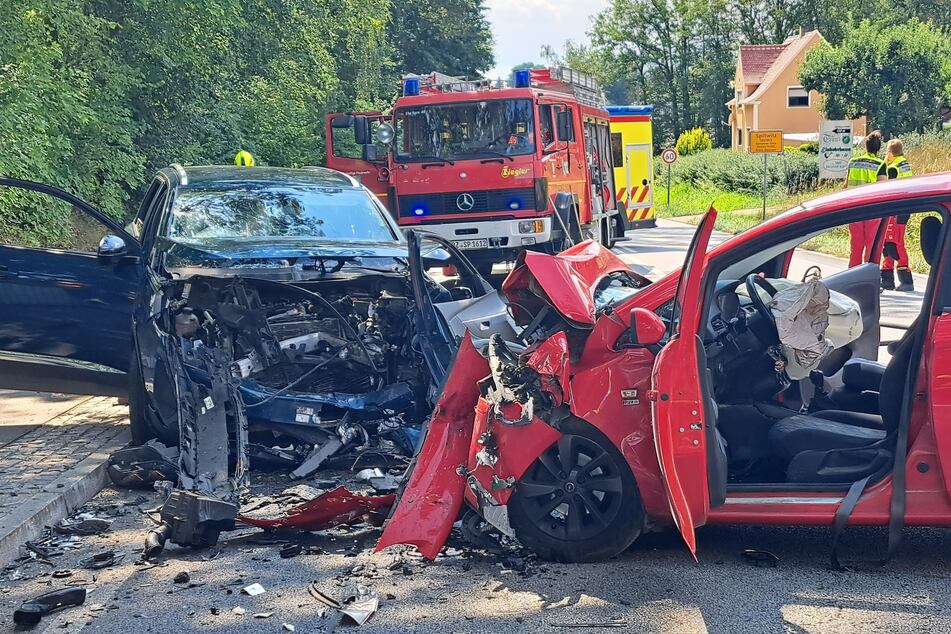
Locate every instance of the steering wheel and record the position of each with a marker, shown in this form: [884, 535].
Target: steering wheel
[752, 281]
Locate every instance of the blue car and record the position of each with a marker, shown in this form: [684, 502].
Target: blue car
[278, 312]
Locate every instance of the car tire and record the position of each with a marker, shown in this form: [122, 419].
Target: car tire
[143, 425]
[607, 519]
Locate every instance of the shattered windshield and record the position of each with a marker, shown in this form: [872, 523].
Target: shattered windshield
[500, 127]
[272, 210]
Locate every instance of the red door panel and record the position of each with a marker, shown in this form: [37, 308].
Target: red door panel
[678, 409]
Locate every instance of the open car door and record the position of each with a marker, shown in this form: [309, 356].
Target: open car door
[353, 148]
[678, 408]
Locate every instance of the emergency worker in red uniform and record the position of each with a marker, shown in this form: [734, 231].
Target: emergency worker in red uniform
[897, 166]
[865, 169]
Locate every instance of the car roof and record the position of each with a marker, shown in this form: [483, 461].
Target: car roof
[895, 190]
[205, 175]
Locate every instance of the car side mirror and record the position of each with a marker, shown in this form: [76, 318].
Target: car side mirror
[361, 130]
[563, 124]
[647, 329]
[460, 293]
[111, 246]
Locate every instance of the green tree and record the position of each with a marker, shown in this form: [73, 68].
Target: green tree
[895, 75]
[449, 36]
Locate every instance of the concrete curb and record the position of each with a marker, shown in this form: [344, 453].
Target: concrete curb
[59, 499]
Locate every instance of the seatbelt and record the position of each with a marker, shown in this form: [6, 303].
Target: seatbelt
[842, 518]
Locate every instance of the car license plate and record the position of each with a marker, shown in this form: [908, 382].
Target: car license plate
[479, 243]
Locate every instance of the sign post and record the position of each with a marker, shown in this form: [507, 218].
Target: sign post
[835, 149]
[766, 142]
[668, 156]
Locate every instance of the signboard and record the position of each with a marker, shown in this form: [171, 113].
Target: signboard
[766, 142]
[835, 148]
[669, 156]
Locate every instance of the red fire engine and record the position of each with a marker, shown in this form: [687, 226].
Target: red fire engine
[494, 168]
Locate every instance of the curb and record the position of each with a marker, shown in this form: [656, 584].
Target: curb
[59, 499]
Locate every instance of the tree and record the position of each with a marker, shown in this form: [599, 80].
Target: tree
[449, 36]
[895, 75]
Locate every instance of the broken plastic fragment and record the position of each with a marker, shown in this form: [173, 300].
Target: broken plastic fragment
[253, 590]
[333, 508]
[30, 613]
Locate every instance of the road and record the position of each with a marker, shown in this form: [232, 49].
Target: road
[653, 587]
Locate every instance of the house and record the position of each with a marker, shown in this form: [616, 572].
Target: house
[768, 95]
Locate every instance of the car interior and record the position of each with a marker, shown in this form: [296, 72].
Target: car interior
[825, 431]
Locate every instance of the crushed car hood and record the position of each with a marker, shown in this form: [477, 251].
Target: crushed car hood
[227, 252]
[566, 281]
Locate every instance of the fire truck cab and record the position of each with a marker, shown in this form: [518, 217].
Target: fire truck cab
[494, 167]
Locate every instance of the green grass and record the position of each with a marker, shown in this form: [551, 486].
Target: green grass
[689, 200]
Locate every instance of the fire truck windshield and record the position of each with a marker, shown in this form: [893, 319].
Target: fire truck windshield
[465, 130]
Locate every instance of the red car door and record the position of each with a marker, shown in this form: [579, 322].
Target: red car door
[677, 407]
[367, 163]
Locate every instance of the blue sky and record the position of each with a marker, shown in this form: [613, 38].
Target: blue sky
[521, 27]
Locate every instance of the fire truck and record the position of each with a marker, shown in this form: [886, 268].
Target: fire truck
[494, 167]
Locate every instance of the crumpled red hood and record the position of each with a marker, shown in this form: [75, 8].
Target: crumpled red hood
[565, 281]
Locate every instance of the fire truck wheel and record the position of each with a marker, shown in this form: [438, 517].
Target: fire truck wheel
[578, 501]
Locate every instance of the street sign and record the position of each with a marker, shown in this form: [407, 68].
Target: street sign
[668, 156]
[835, 148]
[766, 142]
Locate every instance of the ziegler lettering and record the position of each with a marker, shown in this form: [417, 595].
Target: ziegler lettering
[514, 171]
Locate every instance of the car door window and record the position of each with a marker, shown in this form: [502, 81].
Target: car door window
[40, 220]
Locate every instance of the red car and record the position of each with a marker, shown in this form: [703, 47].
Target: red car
[627, 405]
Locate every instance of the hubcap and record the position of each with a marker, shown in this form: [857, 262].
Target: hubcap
[573, 491]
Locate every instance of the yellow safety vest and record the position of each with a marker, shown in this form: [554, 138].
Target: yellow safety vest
[864, 169]
[244, 158]
[903, 166]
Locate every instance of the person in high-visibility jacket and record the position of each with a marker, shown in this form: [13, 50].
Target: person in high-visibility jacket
[864, 169]
[244, 159]
[897, 166]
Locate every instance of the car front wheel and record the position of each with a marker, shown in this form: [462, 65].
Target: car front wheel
[578, 501]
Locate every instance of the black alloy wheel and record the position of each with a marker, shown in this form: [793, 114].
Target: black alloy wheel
[578, 501]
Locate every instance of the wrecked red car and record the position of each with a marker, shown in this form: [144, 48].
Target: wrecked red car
[705, 397]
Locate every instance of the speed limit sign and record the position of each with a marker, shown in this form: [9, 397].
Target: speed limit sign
[669, 156]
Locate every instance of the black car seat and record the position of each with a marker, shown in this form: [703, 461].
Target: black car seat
[838, 446]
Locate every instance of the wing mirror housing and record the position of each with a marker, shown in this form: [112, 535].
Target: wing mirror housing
[361, 130]
[564, 127]
[647, 329]
[111, 246]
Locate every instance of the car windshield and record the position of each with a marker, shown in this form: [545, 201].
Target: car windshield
[277, 210]
[465, 130]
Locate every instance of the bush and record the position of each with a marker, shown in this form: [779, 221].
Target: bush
[809, 147]
[789, 173]
[693, 141]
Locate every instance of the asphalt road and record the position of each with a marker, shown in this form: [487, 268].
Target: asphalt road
[654, 587]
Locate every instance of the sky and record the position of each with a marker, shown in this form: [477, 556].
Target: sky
[522, 27]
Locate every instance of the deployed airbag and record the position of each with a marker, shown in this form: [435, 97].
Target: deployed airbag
[812, 321]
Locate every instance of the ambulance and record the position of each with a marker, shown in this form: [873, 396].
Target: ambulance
[633, 150]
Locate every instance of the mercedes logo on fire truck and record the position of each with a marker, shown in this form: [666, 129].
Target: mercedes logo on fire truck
[465, 202]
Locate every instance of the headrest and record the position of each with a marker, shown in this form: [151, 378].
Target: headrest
[930, 232]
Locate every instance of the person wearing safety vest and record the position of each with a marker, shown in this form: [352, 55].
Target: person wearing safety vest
[244, 159]
[864, 169]
[897, 166]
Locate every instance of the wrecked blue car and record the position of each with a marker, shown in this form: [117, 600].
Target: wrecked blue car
[277, 313]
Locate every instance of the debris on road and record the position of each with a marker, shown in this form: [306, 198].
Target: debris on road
[141, 467]
[253, 590]
[593, 624]
[333, 508]
[182, 577]
[760, 558]
[84, 525]
[30, 613]
[101, 560]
